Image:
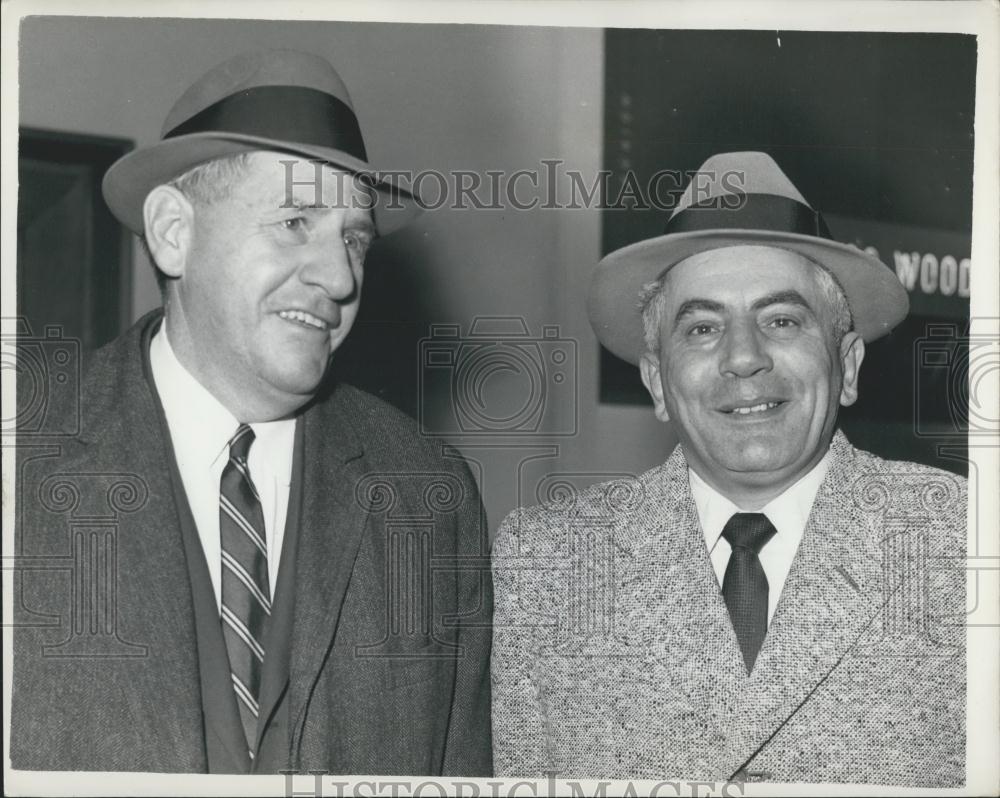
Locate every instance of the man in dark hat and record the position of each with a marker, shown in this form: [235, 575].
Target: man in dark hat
[772, 603]
[262, 598]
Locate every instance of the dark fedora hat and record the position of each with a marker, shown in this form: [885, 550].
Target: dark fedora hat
[279, 100]
[740, 198]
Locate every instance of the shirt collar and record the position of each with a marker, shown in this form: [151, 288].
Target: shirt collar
[201, 426]
[788, 512]
[276, 443]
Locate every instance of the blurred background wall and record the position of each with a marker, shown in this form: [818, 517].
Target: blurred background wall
[473, 320]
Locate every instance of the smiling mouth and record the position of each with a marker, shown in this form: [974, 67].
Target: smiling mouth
[751, 410]
[305, 319]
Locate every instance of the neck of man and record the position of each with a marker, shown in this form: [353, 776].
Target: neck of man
[245, 402]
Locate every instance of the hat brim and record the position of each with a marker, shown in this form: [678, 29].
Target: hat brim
[132, 177]
[878, 301]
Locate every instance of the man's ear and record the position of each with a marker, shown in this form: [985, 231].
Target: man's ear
[852, 352]
[169, 224]
[649, 368]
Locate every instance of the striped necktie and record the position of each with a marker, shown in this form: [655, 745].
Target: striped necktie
[744, 585]
[246, 597]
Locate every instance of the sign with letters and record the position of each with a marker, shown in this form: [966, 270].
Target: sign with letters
[933, 265]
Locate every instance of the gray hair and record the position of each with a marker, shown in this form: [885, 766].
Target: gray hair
[203, 185]
[212, 181]
[653, 303]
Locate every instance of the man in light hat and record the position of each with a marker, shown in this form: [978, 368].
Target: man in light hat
[771, 604]
[264, 599]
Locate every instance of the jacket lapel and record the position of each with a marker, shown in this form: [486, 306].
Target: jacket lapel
[330, 532]
[831, 597]
[153, 587]
[689, 620]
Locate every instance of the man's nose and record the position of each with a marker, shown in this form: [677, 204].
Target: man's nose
[744, 351]
[328, 267]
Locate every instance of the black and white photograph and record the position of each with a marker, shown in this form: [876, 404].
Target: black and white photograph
[498, 399]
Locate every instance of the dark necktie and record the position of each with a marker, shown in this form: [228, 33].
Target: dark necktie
[744, 586]
[246, 597]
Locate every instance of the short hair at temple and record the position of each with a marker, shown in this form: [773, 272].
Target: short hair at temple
[203, 185]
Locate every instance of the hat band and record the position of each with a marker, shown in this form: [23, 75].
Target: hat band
[749, 212]
[290, 113]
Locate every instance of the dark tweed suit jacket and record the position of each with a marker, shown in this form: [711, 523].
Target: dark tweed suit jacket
[614, 655]
[389, 638]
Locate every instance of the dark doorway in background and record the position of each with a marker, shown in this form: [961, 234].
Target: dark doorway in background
[73, 269]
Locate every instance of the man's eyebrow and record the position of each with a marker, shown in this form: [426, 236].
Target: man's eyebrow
[790, 297]
[691, 306]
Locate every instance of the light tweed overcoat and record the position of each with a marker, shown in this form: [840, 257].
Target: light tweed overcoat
[614, 655]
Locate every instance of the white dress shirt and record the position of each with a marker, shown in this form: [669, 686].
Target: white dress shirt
[788, 512]
[200, 429]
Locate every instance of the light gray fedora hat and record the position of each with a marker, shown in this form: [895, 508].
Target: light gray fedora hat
[279, 100]
[742, 198]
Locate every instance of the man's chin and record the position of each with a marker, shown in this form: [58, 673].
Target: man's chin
[303, 383]
[763, 474]
[763, 461]
[774, 469]
[767, 458]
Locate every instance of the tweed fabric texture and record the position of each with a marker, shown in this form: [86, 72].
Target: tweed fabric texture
[614, 655]
[360, 699]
